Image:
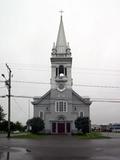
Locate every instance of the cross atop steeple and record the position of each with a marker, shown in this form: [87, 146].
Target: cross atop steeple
[61, 11]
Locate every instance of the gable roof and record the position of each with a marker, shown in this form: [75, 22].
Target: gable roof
[37, 100]
[84, 100]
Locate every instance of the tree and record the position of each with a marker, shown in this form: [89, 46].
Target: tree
[4, 126]
[2, 114]
[19, 126]
[36, 124]
[83, 124]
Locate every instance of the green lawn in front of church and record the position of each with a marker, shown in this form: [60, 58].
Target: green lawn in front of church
[28, 136]
[92, 135]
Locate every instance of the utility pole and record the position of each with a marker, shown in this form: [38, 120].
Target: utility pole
[8, 84]
[9, 99]
[28, 108]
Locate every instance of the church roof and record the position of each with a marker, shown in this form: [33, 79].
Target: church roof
[46, 96]
[61, 44]
[82, 99]
[37, 100]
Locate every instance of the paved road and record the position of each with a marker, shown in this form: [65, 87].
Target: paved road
[59, 148]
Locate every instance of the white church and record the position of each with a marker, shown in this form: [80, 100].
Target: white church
[61, 105]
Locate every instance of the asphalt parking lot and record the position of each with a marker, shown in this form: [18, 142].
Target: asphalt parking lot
[60, 148]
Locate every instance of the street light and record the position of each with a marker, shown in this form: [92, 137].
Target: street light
[6, 81]
[3, 76]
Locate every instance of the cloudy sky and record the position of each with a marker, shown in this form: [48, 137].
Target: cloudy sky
[28, 29]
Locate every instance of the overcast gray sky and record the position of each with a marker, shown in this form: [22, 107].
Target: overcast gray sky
[28, 29]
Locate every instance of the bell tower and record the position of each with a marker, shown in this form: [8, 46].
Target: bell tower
[61, 62]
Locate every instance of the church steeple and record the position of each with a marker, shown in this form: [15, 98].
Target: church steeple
[61, 62]
[61, 47]
[61, 39]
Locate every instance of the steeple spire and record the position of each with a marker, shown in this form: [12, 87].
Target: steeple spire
[61, 48]
[61, 39]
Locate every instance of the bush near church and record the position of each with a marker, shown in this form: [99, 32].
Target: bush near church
[35, 124]
[83, 124]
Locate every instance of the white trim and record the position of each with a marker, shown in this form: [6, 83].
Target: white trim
[56, 106]
[61, 108]
[61, 90]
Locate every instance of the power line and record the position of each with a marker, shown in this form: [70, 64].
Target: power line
[20, 96]
[99, 86]
[31, 82]
[92, 71]
[19, 106]
[30, 69]
[3, 96]
[80, 68]
[110, 100]
[81, 71]
[81, 85]
[2, 87]
[17, 96]
[106, 101]
[98, 69]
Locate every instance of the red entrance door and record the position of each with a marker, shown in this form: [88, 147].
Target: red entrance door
[61, 128]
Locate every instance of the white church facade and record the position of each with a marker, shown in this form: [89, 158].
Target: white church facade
[61, 105]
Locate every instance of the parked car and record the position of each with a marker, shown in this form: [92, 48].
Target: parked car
[116, 128]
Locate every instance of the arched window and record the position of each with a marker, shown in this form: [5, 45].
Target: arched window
[61, 69]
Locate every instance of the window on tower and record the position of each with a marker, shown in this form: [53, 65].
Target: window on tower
[61, 69]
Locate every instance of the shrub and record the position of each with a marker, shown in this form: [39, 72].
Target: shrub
[36, 124]
[82, 124]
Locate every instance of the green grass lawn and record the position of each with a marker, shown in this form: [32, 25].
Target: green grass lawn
[27, 136]
[92, 135]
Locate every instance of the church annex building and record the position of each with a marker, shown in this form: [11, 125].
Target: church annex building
[61, 105]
